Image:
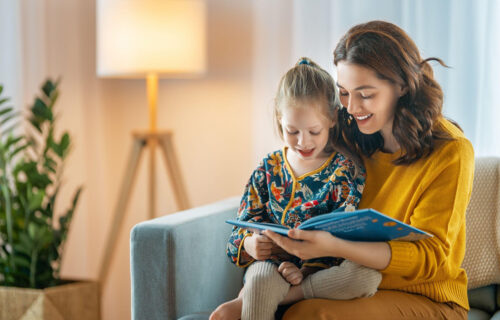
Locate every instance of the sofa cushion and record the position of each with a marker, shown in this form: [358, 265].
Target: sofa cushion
[476, 314]
[483, 298]
[498, 297]
[482, 259]
[496, 316]
[196, 316]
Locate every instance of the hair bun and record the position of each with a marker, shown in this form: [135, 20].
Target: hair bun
[304, 61]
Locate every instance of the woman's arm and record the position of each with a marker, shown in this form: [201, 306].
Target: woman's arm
[315, 244]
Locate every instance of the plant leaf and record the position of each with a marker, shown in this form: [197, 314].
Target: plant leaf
[64, 144]
[33, 231]
[36, 123]
[61, 148]
[8, 212]
[4, 99]
[11, 127]
[48, 87]
[36, 199]
[50, 164]
[21, 248]
[21, 261]
[12, 140]
[40, 110]
[6, 110]
[19, 149]
[45, 237]
[76, 197]
[8, 117]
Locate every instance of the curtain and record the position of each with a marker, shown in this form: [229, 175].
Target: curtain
[23, 58]
[464, 34]
[10, 55]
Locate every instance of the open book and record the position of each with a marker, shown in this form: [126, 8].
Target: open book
[359, 225]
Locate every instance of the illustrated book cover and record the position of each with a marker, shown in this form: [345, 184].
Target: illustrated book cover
[358, 225]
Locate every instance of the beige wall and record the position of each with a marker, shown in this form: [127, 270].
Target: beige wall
[211, 118]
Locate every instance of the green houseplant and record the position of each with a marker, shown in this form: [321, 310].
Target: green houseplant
[32, 234]
[30, 171]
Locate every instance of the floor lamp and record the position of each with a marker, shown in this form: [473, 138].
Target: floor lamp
[149, 39]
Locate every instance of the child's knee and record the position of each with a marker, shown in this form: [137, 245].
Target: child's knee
[261, 272]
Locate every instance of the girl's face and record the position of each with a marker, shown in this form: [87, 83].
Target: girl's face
[369, 99]
[305, 128]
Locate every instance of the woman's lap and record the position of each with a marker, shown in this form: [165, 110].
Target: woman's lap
[384, 305]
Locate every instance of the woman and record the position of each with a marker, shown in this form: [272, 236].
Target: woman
[419, 170]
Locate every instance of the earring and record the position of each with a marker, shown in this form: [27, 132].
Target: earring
[349, 119]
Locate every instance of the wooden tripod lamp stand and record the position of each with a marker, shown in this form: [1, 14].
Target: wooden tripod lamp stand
[149, 39]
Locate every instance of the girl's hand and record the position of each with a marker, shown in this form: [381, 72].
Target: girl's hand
[291, 273]
[258, 246]
[314, 244]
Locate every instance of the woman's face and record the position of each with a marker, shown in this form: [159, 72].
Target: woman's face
[370, 100]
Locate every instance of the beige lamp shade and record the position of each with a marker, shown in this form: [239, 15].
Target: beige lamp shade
[140, 37]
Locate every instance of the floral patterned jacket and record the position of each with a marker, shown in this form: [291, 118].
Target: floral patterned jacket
[273, 194]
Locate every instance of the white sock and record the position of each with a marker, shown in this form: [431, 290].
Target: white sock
[347, 281]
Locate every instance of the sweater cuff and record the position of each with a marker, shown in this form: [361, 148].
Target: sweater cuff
[402, 253]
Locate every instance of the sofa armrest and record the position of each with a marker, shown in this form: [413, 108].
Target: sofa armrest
[179, 265]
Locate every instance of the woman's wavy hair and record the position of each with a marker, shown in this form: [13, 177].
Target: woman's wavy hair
[308, 81]
[389, 51]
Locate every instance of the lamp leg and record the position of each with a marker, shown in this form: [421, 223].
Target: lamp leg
[152, 141]
[120, 209]
[174, 173]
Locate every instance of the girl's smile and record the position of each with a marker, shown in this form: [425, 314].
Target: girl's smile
[306, 153]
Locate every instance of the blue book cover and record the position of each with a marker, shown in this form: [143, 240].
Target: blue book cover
[359, 225]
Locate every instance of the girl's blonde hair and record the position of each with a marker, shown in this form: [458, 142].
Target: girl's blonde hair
[308, 81]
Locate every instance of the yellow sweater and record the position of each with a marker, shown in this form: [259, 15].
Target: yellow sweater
[431, 194]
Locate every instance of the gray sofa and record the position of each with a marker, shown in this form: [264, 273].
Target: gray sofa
[179, 266]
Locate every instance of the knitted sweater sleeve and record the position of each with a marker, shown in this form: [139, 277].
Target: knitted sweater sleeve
[445, 192]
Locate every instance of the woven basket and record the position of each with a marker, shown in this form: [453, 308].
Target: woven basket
[77, 300]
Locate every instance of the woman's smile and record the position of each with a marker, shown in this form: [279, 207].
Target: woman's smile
[362, 119]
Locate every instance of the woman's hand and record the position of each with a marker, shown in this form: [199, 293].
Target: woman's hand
[314, 244]
[259, 246]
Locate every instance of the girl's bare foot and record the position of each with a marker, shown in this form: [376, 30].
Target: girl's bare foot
[291, 273]
[230, 310]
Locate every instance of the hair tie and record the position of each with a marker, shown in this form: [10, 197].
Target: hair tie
[304, 61]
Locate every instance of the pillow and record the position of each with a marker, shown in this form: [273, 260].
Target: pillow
[482, 259]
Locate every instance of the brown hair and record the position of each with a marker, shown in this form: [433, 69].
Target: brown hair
[390, 52]
[308, 81]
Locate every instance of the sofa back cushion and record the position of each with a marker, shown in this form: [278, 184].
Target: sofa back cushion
[482, 259]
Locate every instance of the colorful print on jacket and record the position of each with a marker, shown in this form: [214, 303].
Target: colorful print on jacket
[273, 194]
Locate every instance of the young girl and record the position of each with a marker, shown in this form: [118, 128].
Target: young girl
[308, 177]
